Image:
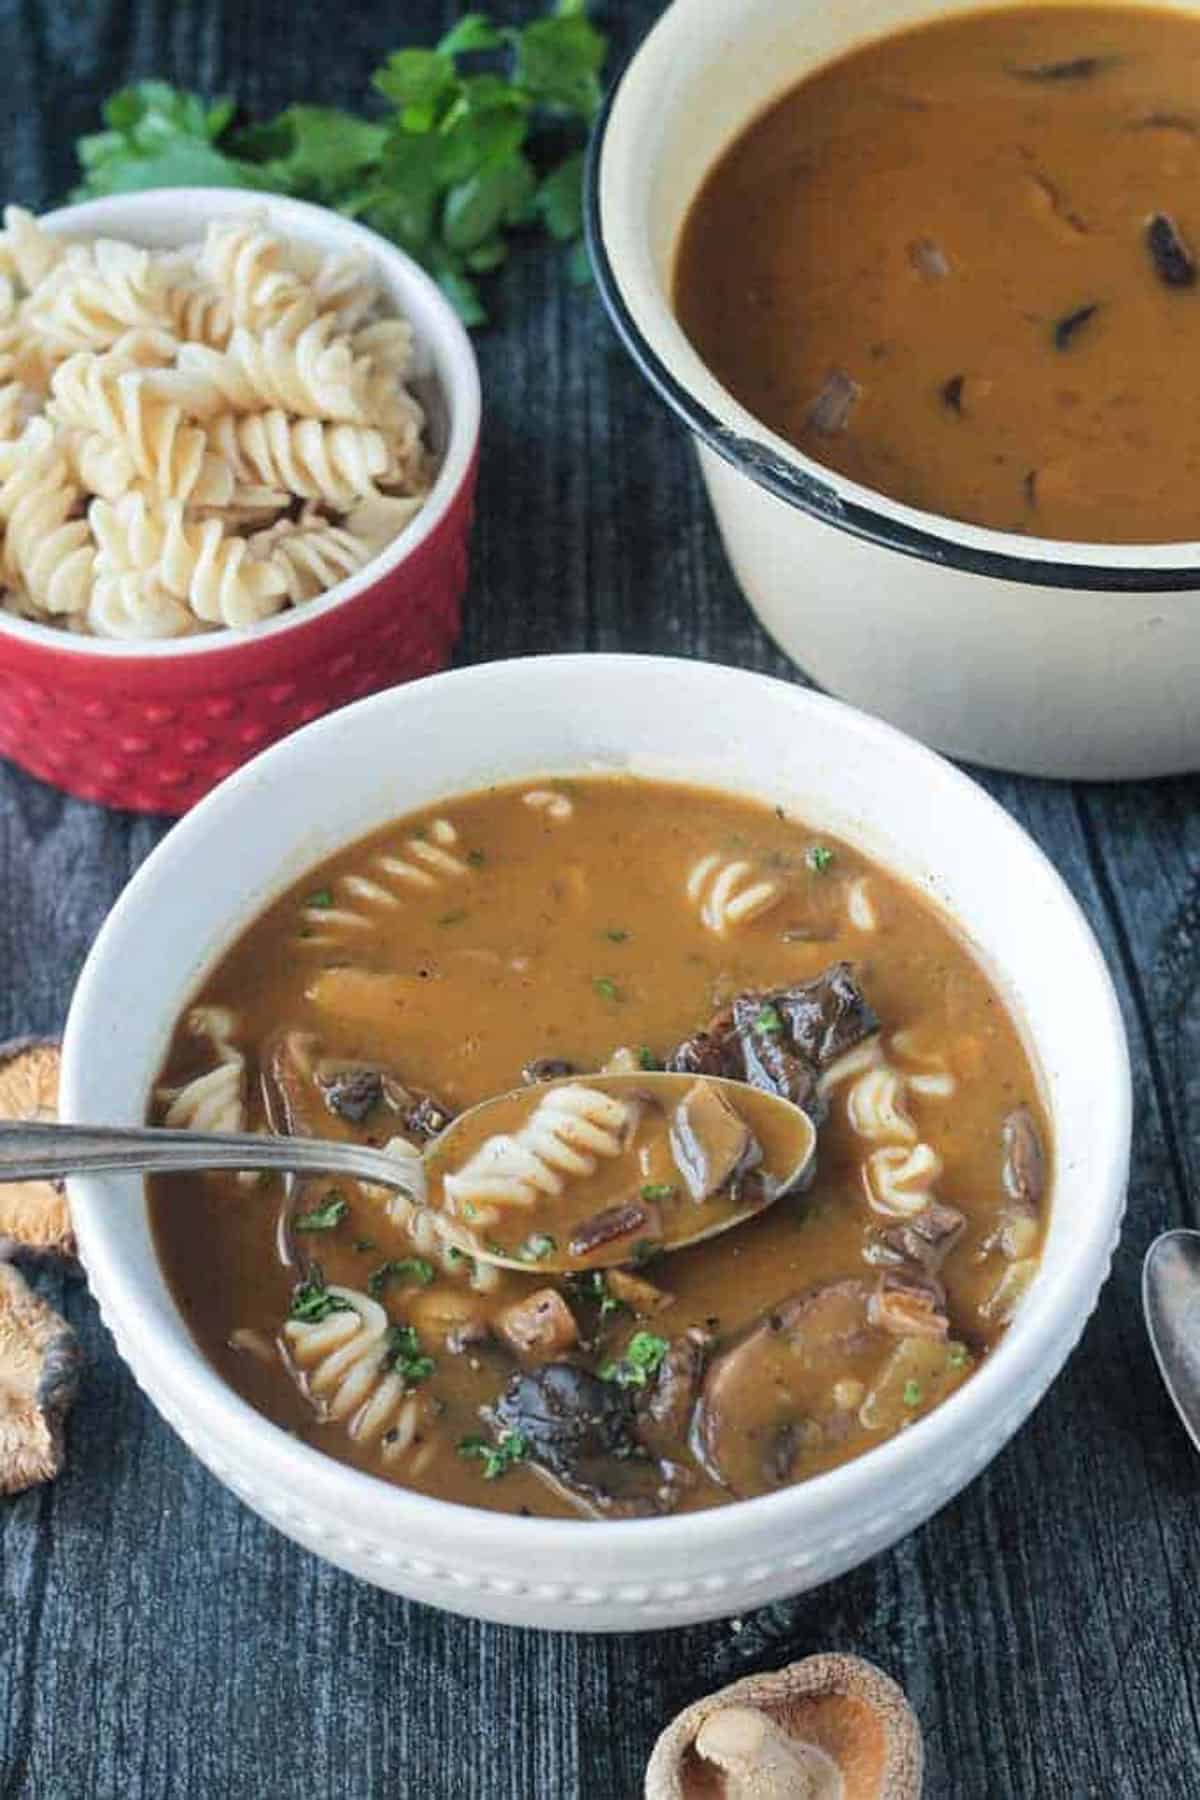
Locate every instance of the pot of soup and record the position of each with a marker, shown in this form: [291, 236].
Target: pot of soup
[922, 282]
[531, 1383]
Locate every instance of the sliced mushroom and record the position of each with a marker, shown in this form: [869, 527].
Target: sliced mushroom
[710, 1142]
[541, 1325]
[638, 1220]
[771, 1392]
[1024, 1175]
[638, 1294]
[33, 1214]
[665, 1409]
[580, 1435]
[926, 1239]
[39, 1373]
[351, 1093]
[909, 1303]
[827, 1728]
[302, 1086]
[1009, 1291]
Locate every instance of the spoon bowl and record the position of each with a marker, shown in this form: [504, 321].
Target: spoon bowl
[583, 1173]
[1171, 1302]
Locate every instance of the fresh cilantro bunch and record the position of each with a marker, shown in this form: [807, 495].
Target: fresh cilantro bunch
[480, 136]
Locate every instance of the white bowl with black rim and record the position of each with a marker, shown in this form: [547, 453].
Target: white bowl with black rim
[417, 746]
[1023, 653]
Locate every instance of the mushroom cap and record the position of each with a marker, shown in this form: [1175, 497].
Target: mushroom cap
[841, 1705]
[34, 1215]
[39, 1372]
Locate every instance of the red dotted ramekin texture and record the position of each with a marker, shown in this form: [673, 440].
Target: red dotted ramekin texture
[154, 734]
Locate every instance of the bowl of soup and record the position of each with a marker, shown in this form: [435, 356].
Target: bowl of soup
[520, 876]
[921, 281]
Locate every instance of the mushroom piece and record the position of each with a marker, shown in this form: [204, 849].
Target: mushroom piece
[909, 1303]
[638, 1294]
[1024, 1175]
[665, 1408]
[771, 1394]
[540, 1325]
[926, 1239]
[827, 1728]
[710, 1142]
[34, 1215]
[39, 1373]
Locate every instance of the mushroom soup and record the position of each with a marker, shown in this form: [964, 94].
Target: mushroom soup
[533, 936]
[957, 265]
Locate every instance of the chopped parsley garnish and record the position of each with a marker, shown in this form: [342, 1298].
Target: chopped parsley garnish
[537, 1247]
[616, 935]
[647, 1059]
[959, 1356]
[657, 1190]
[411, 1268]
[592, 1284]
[818, 857]
[323, 898]
[405, 1356]
[912, 1393]
[497, 1458]
[769, 1021]
[312, 1301]
[325, 1217]
[607, 989]
[476, 858]
[454, 918]
[643, 1357]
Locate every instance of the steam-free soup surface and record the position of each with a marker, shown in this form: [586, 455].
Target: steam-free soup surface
[522, 934]
[957, 266]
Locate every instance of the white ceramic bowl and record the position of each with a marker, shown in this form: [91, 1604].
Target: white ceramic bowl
[419, 744]
[1051, 658]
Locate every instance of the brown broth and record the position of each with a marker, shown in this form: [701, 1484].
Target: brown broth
[959, 219]
[571, 938]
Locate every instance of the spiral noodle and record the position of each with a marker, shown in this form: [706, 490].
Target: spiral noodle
[305, 374]
[48, 551]
[96, 293]
[558, 807]
[248, 264]
[875, 1107]
[567, 1132]
[217, 576]
[419, 865]
[344, 1361]
[129, 435]
[216, 1100]
[338, 464]
[429, 1240]
[900, 1181]
[309, 558]
[199, 314]
[27, 251]
[728, 893]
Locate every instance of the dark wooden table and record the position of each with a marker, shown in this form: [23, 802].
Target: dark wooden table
[157, 1639]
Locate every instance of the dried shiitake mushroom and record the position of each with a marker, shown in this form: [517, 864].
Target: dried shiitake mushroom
[827, 1728]
[33, 1214]
[39, 1372]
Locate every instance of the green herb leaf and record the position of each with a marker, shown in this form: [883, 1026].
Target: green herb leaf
[404, 1355]
[647, 1059]
[312, 1301]
[657, 1190]
[474, 31]
[537, 1247]
[818, 857]
[510, 1449]
[322, 899]
[476, 858]
[912, 1393]
[559, 202]
[768, 1021]
[606, 988]
[592, 1285]
[559, 61]
[959, 1356]
[616, 935]
[325, 1217]
[643, 1356]
[411, 1268]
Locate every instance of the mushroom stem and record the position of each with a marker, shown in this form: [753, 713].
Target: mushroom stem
[760, 1762]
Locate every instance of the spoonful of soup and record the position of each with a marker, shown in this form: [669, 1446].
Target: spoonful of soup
[583, 1173]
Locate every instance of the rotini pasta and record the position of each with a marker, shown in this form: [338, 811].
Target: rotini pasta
[238, 409]
[564, 1136]
[730, 893]
[900, 1181]
[345, 1364]
[216, 1099]
[875, 1107]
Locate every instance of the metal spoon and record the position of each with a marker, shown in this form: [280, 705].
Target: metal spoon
[1171, 1301]
[788, 1138]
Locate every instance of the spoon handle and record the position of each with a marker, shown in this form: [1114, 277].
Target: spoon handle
[43, 1151]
